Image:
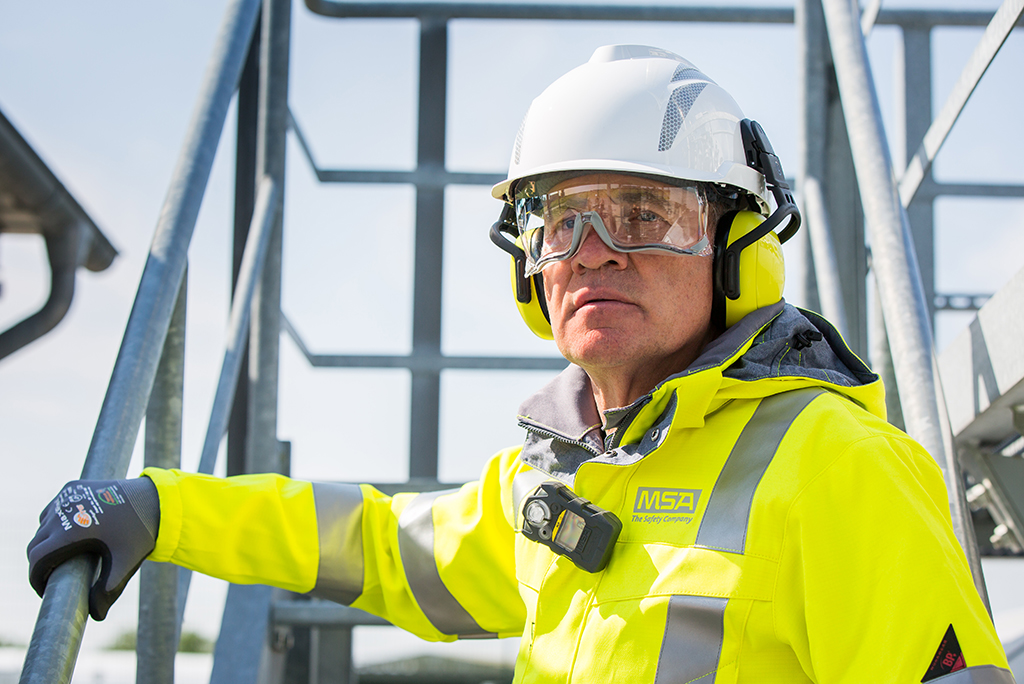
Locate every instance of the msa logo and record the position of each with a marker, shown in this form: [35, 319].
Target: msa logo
[657, 500]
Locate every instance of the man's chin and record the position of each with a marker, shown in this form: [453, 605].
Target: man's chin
[598, 348]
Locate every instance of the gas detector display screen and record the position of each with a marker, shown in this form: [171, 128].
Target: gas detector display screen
[569, 531]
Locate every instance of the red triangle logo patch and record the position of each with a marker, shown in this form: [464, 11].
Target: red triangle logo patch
[949, 657]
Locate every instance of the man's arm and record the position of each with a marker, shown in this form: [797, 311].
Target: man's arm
[439, 564]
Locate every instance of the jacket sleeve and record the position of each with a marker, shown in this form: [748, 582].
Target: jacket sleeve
[879, 587]
[438, 564]
[442, 564]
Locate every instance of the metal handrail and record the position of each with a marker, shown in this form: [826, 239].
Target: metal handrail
[60, 626]
[894, 264]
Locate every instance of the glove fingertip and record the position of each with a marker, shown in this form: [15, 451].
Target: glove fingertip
[100, 602]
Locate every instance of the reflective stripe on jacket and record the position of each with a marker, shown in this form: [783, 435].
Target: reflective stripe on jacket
[775, 529]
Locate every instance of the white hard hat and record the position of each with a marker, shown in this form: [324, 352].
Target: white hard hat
[635, 109]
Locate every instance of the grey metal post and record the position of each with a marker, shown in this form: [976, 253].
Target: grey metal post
[157, 641]
[426, 321]
[264, 454]
[246, 653]
[828, 166]
[245, 200]
[881, 363]
[895, 268]
[826, 264]
[914, 83]
[914, 99]
[58, 633]
[253, 259]
[811, 62]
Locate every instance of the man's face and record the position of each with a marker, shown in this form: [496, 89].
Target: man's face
[645, 313]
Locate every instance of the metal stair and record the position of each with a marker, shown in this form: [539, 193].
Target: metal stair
[983, 377]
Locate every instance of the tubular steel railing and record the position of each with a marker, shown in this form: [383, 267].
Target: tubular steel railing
[61, 622]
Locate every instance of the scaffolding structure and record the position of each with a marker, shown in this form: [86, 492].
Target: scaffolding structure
[852, 196]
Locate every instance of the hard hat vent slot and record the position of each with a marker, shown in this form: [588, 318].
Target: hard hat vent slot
[679, 104]
[685, 73]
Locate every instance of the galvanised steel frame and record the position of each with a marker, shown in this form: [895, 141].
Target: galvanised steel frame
[844, 156]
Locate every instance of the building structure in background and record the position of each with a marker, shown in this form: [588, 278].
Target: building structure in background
[33, 200]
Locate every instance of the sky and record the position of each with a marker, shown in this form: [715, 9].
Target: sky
[104, 92]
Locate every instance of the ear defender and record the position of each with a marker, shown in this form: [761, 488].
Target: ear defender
[747, 275]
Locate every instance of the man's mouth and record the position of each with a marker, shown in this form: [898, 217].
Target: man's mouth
[600, 297]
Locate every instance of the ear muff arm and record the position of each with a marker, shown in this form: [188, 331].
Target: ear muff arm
[506, 224]
[762, 157]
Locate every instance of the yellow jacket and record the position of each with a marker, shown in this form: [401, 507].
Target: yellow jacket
[775, 529]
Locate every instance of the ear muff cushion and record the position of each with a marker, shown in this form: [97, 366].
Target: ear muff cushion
[761, 269]
[534, 312]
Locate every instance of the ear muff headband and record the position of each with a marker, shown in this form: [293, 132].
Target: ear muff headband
[747, 276]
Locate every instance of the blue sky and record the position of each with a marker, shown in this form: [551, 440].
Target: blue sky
[104, 92]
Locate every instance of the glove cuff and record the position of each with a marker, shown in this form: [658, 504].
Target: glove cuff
[145, 501]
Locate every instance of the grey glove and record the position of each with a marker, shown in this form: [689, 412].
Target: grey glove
[115, 519]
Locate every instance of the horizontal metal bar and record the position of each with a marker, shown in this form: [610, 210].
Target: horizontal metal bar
[959, 301]
[320, 614]
[930, 18]
[414, 484]
[1003, 21]
[438, 363]
[931, 189]
[486, 10]
[425, 177]
[708, 14]
[435, 178]
[420, 362]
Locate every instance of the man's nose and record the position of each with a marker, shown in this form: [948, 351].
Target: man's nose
[594, 253]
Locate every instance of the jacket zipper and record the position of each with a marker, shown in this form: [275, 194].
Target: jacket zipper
[560, 438]
[625, 423]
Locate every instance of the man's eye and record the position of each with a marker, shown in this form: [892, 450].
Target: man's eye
[567, 223]
[644, 218]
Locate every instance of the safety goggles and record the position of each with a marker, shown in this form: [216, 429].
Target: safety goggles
[636, 215]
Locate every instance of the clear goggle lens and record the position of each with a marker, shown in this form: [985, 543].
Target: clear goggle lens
[629, 216]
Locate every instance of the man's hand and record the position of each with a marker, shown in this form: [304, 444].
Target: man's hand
[115, 519]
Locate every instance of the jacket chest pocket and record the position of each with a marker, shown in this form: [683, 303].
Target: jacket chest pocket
[659, 640]
[671, 614]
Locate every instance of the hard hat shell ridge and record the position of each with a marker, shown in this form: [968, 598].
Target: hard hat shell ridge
[635, 109]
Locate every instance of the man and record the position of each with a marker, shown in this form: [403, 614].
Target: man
[708, 493]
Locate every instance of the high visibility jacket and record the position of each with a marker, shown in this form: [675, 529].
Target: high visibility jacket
[774, 529]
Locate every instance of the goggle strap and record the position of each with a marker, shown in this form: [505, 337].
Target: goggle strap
[506, 224]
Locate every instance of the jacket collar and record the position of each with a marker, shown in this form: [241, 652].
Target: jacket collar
[747, 361]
